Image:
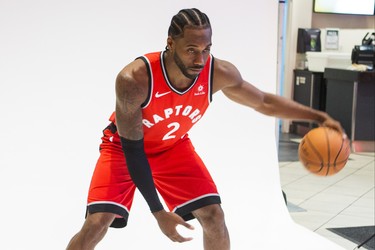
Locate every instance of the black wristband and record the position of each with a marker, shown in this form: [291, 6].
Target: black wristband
[140, 171]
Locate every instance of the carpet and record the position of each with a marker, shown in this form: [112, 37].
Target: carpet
[357, 235]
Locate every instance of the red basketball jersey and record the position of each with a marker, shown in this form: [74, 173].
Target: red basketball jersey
[168, 114]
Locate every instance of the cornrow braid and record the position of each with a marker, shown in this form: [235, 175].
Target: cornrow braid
[192, 18]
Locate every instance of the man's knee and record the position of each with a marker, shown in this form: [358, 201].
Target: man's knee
[98, 222]
[212, 215]
[93, 230]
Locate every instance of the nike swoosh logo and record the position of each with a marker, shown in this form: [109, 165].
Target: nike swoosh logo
[157, 94]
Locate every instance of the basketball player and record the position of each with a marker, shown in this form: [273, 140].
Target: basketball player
[159, 97]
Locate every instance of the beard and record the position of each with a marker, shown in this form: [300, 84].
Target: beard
[184, 69]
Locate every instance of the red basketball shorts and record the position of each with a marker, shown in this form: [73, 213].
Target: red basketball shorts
[180, 177]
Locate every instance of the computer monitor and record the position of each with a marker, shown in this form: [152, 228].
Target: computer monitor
[348, 7]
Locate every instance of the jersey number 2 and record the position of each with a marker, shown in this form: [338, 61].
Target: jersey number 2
[175, 126]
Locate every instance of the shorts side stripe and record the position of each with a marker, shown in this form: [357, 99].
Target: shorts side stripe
[110, 207]
[194, 200]
[108, 202]
[185, 210]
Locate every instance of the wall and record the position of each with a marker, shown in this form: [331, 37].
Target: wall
[299, 15]
[342, 21]
[347, 38]
[352, 28]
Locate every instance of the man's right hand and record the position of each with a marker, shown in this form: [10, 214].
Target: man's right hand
[168, 222]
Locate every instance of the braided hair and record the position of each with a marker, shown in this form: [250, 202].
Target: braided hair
[191, 18]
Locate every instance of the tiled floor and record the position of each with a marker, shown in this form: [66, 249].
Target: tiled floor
[342, 200]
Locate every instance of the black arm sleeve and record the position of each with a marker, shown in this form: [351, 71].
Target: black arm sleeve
[140, 172]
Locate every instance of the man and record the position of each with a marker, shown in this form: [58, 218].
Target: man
[159, 97]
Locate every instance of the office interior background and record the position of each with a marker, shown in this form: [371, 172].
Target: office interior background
[340, 207]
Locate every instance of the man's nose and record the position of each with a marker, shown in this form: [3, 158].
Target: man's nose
[199, 59]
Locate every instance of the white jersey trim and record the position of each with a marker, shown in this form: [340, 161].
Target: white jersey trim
[210, 83]
[109, 202]
[168, 82]
[194, 200]
[151, 81]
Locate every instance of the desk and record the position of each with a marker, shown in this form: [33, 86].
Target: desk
[350, 99]
[309, 89]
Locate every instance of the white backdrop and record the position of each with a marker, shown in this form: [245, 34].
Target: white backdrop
[58, 62]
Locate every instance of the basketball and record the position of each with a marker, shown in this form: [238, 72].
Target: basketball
[323, 151]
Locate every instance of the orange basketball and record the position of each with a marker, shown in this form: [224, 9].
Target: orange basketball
[323, 151]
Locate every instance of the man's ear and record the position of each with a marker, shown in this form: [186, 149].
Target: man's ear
[169, 43]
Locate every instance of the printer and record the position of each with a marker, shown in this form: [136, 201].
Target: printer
[365, 53]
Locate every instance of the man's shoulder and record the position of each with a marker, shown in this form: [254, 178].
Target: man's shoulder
[225, 74]
[135, 71]
[151, 56]
[223, 67]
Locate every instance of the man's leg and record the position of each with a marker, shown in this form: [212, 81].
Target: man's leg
[215, 232]
[92, 232]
